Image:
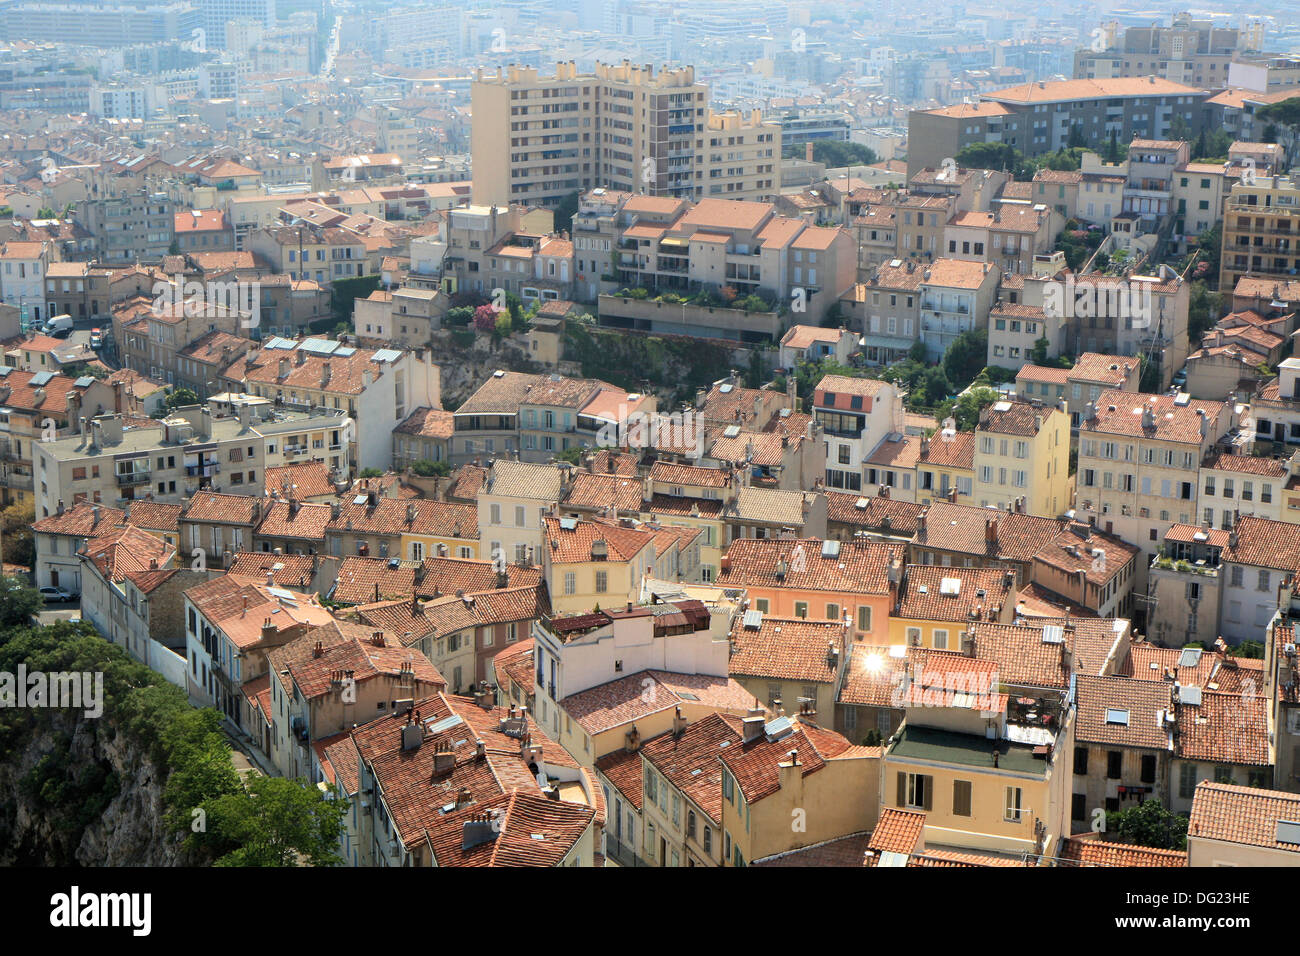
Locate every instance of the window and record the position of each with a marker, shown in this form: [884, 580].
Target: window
[1187, 781]
[914, 636]
[1222, 774]
[1148, 768]
[832, 612]
[940, 642]
[602, 582]
[1081, 760]
[708, 839]
[800, 608]
[961, 798]
[761, 605]
[915, 790]
[1014, 796]
[864, 618]
[570, 582]
[1114, 760]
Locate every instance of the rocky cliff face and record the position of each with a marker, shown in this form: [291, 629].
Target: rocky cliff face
[81, 794]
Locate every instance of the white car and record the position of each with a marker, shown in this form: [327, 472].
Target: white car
[56, 594]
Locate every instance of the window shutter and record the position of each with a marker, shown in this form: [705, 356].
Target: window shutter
[902, 789]
[929, 792]
[961, 795]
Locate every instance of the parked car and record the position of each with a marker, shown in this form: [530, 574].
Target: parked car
[57, 595]
[96, 339]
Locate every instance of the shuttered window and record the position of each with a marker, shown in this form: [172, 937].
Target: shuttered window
[961, 798]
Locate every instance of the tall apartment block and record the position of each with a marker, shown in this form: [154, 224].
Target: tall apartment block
[1190, 51]
[1037, 118]
[1261, 230]
[536, 140]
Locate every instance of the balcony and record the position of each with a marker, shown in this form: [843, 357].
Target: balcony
[133, 478]
[1184, 566]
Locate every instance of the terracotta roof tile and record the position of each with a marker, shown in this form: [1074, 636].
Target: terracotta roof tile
[1246, 815]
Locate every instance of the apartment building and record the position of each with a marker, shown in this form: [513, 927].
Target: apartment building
[1261, 224]
[585, 563]
[622, 127]
[375, 388]
[1139, 460]
[742, 245]
[1196, 52]
[857, 416]
[1022, 455]
[1255, 571]
[818, 580]
[192, 450]
[1009, 237]
[790, 769]
[1265, 839]
[965, 756]
[37, 406]
[330, 679]
[191, 341]
[408, 762]
[886, 310]
[1040, 117]
[129, 227]
[955, 296]
[309, 251]
[511, 506]
[592, 672]
[231, 623]
[22, 276]
[1124, 745]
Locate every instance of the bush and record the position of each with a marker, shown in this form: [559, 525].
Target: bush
[431, 469]
[460, 317]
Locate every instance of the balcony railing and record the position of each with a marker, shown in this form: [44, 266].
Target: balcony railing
[133, 478]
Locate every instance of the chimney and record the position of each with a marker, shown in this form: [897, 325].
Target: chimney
[632, 740]
[752, 726]
[268, 630]
[412, 734]
[791, 776]
[808, 152]
[444, 761]
[317, 651]
[920, 524]
[679, 722]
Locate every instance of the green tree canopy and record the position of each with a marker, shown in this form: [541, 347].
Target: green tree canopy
[965, 357]
[430, 469]
[1149, 824]
[18, 602]
[833, 153]
[966, 408]
[178, 397]
[278, 822]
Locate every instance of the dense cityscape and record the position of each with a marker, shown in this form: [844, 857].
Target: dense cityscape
[648, 433]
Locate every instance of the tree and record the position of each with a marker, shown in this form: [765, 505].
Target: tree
[965, 357]
[461, 316]
[1112, 148]
[1203, 310]
[1076, 137]
[178, 397]
[371, 473]
[485, 318]
[1149, 824]
[1039, 353]
[833, 153]
[431, 469]
[279, 822]
[18, 602]
[565, 211]
[966, 408]
[16, 529]
[572, 455]
[989, 156]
